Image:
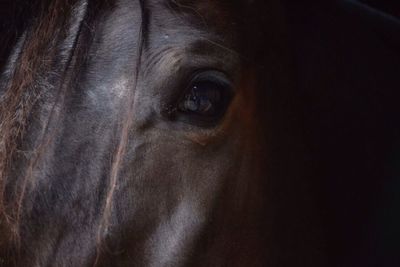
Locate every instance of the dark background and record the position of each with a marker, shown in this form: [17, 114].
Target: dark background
[388, 6]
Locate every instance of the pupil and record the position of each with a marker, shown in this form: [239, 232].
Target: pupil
[203, 99]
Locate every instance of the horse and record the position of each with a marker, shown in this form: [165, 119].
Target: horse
[198, 133]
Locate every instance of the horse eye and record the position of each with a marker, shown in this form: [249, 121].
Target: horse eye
[206, 98]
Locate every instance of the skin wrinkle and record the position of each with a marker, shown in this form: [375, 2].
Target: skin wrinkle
[167, 61]
[169, 58]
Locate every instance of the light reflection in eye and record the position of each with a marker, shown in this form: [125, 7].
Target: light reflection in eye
[204, 98]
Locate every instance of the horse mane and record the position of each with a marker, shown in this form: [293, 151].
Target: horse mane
[33, 56]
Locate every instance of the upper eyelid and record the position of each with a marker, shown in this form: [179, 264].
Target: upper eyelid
[161, 57]
[201, 52]
[182, 71]
[215, 75]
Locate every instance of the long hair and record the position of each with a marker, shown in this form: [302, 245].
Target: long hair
[23, 83]
[22, 87]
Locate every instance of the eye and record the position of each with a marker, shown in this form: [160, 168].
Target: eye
[206, 98]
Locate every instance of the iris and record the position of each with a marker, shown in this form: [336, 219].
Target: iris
[207, 96]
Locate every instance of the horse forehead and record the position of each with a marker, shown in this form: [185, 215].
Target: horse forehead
[206, 15]
[184, 20]
[215, 10]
